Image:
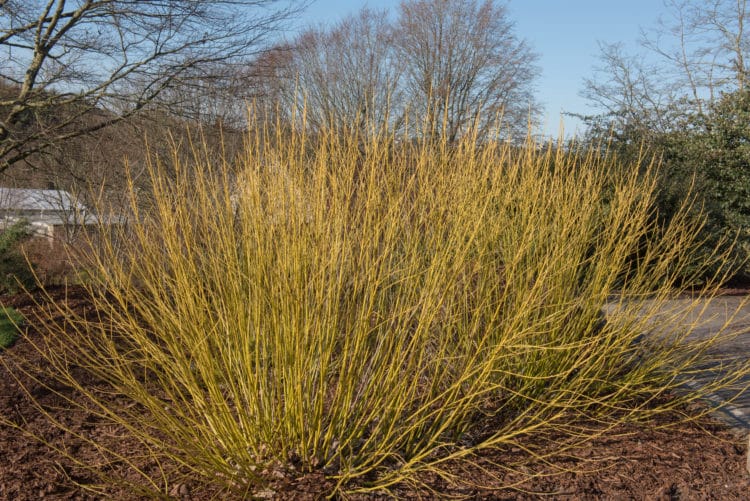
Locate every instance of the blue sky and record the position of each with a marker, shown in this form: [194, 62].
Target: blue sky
[564, 33]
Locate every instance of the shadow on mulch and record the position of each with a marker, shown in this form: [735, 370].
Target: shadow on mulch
[700, 460]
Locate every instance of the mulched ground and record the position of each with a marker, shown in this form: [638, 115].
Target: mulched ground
[701, 460]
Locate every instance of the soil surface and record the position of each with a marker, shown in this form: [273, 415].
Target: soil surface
[697, 460]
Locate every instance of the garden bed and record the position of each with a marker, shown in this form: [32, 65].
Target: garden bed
[701, 460]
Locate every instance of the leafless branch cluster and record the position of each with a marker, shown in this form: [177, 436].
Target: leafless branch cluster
[70, 68]
[437, 64]
[700, 50]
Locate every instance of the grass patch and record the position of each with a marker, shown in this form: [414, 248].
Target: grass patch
[10, 320]
[374, 308]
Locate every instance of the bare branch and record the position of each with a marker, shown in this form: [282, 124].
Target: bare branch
[345, 76]
[445, 60]
[463, 60]
[70, 68]
[699, 52]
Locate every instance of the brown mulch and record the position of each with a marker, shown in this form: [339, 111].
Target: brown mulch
[702, 460]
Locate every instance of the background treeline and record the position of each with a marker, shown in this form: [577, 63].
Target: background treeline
[87, 84]
[430, 66]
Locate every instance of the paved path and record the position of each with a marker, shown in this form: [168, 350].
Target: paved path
[710, 317]
[718, 312]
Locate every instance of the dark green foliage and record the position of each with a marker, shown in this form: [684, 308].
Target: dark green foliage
[727, 166]
[10, 320]
[705, 156]
[713, 154]
[15, 271]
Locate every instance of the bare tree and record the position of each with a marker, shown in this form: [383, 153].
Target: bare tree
[74, 67]
[346, 75]
[700, 50]
[440, 61]
[464, 60]
[213, 95]
[270, 78]
[706, 43]
[630, 92]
